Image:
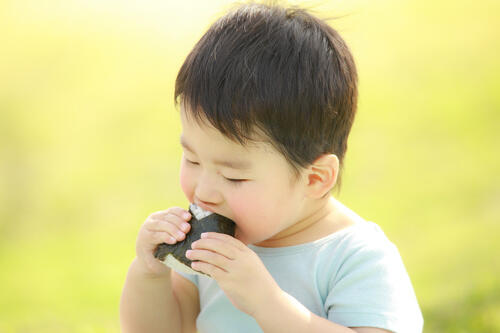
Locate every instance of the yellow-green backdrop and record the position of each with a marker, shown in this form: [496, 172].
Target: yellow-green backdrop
[89, 148]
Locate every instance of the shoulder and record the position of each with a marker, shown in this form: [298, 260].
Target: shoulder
[364, 247]
[366, 237]
[359, 239]
[358, 247]
[344, 226]
[371, 286]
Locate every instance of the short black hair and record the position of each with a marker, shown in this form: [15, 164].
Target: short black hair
[277, 69]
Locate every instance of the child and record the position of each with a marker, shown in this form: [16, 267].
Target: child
[267, 99]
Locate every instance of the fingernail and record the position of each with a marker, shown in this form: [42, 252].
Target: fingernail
[180, 233]
[186, 215]
[185, 226]
[204, 235]
[188, 253]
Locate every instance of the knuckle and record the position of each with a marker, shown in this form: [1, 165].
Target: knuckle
[177, 222]
[210, 256]
[212, 271]
[155, 214]
[169, 226]
[172, 228]
[149, 221]
[156, 237]
[165, 237]
[175, 210]
[171, 219]
[171, 209]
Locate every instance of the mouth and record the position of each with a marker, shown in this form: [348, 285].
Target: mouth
[237, 234]
[204, 206]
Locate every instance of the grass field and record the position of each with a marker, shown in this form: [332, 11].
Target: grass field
[89, 148]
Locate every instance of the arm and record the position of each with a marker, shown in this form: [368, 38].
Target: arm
[283, 313]
[148, 303]
[229, 262]
[154, 298]
[186, 294]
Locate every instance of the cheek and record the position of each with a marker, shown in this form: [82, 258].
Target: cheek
[251, 209]
[259, 201]
[186, 180]
[262, 211]
[240, 207]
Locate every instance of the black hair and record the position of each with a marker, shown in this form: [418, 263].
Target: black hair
[280, 70]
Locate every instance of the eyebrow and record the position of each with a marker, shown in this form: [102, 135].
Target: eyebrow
[238, 164]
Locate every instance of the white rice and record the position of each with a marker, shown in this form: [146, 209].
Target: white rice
[199, 212]
[178, 266]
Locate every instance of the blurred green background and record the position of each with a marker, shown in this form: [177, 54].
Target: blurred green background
[89, 148]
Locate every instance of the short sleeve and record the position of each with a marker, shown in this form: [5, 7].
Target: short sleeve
[373, 289]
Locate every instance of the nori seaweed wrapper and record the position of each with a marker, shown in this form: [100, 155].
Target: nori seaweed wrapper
[211, 223]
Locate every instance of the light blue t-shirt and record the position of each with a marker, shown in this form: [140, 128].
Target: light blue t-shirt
[353, 277]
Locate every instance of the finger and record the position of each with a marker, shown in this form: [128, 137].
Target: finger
[209, 269]
[224, 238]
[170, 229]
[178, 211]
[159, 237]
[166, 225]
[216, 245]
[209, 257]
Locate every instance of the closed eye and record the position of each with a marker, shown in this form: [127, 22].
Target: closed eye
[235, 180]
[231, 180]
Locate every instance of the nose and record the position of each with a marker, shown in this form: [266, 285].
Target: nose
[206, 190]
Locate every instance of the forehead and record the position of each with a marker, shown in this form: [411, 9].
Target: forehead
[258, 140]
[200, 136]
[233, 163]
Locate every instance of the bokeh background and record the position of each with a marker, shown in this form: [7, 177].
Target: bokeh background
[89, 148]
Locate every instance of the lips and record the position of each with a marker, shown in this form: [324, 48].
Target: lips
[205, 206]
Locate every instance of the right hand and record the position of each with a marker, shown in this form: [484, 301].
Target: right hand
[166, 226]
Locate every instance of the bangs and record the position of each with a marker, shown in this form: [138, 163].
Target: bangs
[272, 72]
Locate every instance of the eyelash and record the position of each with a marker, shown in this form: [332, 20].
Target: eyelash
[232, 181]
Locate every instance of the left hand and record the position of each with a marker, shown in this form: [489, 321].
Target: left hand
[237, 269]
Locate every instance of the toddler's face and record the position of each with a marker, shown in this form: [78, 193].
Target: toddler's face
[251, 185]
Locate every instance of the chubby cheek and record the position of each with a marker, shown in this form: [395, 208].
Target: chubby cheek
[253, 216]
[186, 180]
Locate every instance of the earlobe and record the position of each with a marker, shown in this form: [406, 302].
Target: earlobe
[322, 175]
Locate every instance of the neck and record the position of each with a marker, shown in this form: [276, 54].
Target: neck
[306, 229]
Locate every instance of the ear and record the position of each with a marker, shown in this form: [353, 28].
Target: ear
[321, 176]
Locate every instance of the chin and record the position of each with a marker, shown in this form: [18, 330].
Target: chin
[239, 235]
